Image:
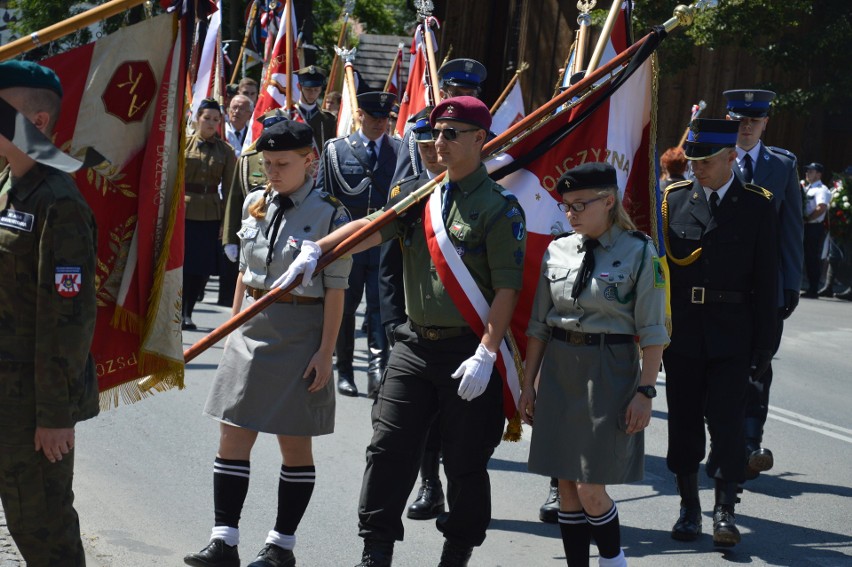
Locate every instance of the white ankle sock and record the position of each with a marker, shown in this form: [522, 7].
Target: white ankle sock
[281, 540]
[617, 561]
[227, 533]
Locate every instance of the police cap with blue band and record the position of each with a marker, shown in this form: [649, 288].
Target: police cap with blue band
[376, 104]
[467, 73]
[422, 129]
[750, 103]
[709, 136]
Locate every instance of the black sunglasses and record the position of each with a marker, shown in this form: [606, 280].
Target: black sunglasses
[450, 134]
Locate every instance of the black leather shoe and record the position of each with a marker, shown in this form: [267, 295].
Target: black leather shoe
[761, 460]
[188, 325]
[216, 554]
[376, 554]
[845, 295]
[273, 556]
[809, 295]
[549, 511]
[346, 385]
[725, 532]
[826, 291]
[455, 554]
[430, 501]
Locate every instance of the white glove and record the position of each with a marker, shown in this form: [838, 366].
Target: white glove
[232, 252]
[475, 373]
[305, 263]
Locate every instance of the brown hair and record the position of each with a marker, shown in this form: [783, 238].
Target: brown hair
[258, 208]
[246, 81]
[673, 161]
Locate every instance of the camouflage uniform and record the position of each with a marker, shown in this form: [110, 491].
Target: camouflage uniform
[47, 377]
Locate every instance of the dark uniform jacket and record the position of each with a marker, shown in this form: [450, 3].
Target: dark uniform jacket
[739, 253]
[324, 125]
[48, 245]
[345, 173]
[249, 176]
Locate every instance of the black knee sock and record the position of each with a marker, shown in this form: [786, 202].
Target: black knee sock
[576, 537]
[230, 486]
[294, 493]
[607, 532]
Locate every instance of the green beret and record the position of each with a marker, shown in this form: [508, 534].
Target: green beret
[28, 74]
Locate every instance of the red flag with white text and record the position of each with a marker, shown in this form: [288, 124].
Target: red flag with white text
[416, 96]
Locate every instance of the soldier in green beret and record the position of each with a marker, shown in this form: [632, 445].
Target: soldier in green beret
[48, 244]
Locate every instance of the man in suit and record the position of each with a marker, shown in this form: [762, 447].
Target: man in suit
[312, 80]
[774, 169]
[358, 170]
[722, 245]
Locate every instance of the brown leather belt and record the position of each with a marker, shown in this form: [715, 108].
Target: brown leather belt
[439, 333]
[590, 339]
[201, 189]
[286, 298]
[700, 296]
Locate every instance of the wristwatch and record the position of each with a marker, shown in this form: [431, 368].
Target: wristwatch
[647, 391]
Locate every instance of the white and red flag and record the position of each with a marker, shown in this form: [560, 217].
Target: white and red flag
[273, 91]
[207, 82]
[124, 98]
[396, 73]
[416, 96]
[510, 112]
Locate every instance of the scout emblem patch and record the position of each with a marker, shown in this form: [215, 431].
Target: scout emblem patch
[659, 274]
[519, 230]
[68, 280]
[610, 293]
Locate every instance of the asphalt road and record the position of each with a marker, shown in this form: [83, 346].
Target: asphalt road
[144, 476]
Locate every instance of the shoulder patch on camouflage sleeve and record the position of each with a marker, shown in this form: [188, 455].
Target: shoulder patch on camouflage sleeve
[759, 190]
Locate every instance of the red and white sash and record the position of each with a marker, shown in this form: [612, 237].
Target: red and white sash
[466, 295]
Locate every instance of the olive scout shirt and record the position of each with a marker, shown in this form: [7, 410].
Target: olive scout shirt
[209, 163]
[486, 227]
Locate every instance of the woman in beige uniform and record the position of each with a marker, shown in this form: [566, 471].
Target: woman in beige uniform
[274, 373]
[601, 288]
[210, 163]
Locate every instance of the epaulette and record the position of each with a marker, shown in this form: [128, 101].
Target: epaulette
[564, 234]
[398, 185]
[332, 140]
[758, 189]
[329, 198]
[640, 235]
[250, 151]
[508, 195]
[782, 151]
[679, 185]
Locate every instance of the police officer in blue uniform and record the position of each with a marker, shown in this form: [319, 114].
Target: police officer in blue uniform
[459, 77]
[774, 169]
[358, 170]
[721, 239]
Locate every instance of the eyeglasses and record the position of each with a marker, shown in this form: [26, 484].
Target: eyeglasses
[576, 206]
[450, 134]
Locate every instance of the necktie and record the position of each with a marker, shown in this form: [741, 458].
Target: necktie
[283, 203]
[371, 152]
[308, 112]
[447, 201]
[747, 168]
[714, 203]
[586, 269]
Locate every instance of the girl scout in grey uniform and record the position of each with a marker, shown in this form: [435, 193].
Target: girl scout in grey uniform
[601, 287]
[275, 369]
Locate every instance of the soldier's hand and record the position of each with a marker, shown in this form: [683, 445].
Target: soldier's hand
[791, 300]
[54, 442]
[526, 405]
[305, 264]
[475, 373]
[390, 328]
[760, 361]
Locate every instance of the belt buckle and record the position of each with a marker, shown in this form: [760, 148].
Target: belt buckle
[698, 295]
[432, 334]
[576, 338]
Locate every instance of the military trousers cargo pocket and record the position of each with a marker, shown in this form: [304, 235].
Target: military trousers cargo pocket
[25, 498]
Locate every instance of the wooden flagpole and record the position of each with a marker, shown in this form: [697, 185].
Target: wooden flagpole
[65, 27]
[683, 16]
[597, 54]
[524, 66]
[249, 26]
[288, 53]
[394, 66]
[335, 62]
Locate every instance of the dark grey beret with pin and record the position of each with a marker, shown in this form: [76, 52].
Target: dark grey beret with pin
[592, 175]
[285, 136]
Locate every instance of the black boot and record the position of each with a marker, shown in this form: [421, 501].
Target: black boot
[759, 459]
[216, 554]
[549, 511]
[375, 369]
[828, 289]
[688, 525]
[455, 554]
[846, 294]
[376, 554]
[725, 532]
[345, 350]
[430, 498]
[273, 556]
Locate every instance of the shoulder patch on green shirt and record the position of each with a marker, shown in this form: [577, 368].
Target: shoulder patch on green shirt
[659, 274]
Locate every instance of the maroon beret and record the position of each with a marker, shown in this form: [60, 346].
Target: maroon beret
[467, 109]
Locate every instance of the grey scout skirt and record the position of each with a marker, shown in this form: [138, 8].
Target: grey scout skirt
[259, 384]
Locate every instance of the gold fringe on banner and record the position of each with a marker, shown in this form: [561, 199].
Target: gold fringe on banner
[513, 427]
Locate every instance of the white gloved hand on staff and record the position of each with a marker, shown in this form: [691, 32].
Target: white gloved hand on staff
[305, 263]
[475, 373]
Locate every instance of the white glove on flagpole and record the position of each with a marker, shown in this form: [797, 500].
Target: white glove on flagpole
[305, 263]
[232, 252]
[475, 373]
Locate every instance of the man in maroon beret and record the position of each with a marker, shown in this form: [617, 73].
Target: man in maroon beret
[440, 370]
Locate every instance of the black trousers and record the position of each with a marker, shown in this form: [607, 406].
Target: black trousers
[715, 388]
[364, 277]
[416, 390]
[757, 401]
[814, 239]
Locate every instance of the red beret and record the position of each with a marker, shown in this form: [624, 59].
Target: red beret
[467, 109]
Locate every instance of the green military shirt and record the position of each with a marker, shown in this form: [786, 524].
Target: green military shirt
[48, 245]
[487, 228]
[249, 176]
[208, 165]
